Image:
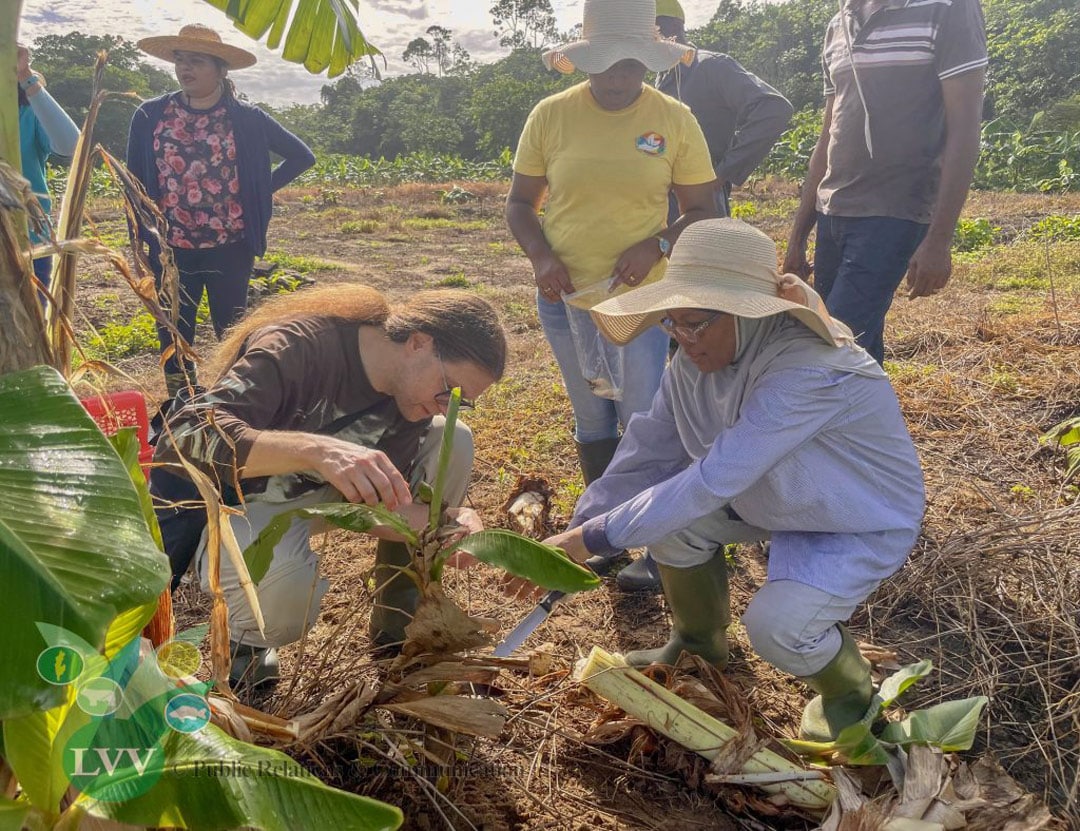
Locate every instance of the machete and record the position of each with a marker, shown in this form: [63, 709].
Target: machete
[512, 642]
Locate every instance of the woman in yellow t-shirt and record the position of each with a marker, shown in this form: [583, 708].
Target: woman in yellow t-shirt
[605, 154]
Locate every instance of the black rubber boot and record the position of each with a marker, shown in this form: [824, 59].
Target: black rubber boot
[700, 614]
[642, 575]
[396, 594]
[845, 692]
[594, 457]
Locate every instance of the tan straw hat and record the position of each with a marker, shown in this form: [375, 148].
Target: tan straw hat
[727, 266]
[197, 38]
[614, 30]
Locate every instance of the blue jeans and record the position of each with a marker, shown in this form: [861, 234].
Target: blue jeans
[858, 265]
[224, 273]
[598, 418]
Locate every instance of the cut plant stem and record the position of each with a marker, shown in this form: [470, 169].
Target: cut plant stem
[609, 677]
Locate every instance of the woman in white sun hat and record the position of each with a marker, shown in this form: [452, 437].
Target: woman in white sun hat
[605, 154]
[204, 157]
[770, 424]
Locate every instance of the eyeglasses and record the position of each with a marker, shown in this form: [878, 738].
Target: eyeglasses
[689, 334]
[443, 398]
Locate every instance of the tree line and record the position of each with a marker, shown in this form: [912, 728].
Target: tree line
[453, 105]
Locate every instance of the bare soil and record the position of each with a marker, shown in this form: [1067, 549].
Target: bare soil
[990, 594]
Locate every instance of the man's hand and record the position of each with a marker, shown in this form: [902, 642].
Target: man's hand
[360, 473]
[467, 522]
[929, 269]
[635, 263]
[795, 261]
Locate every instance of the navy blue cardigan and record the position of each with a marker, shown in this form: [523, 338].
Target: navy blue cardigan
[256, 134]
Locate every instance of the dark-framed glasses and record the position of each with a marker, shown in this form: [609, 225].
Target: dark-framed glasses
[688, 334]
[443, 398]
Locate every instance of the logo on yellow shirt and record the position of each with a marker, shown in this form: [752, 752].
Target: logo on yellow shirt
[651, 143]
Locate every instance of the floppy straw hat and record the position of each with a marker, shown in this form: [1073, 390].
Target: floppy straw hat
[727, 266]
[612, 31]
[197, 38]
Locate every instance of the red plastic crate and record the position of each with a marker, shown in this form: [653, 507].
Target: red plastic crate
[123, 409]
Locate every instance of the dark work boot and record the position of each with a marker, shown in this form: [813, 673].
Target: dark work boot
[642, 575]
[594, 457]
[396, 594]
[253, 665]
[845, 692]
[700, 614]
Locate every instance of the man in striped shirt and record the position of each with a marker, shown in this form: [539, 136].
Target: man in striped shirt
[891, 170]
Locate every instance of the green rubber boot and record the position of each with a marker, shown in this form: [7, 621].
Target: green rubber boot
[396, 594]
[845, 691]
[700, 614]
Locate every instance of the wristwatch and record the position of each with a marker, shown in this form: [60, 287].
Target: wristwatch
[665, 246]
[29, 82]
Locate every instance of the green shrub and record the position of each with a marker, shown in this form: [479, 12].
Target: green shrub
[122, 340]
[973, 234]
[1055, 227]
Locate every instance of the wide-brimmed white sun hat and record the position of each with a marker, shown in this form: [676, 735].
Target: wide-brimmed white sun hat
[612, 31]
[727, 266]
[197, 38]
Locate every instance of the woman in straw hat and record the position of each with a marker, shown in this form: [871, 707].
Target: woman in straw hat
[204, 157]
[770, 424]
[605, 153]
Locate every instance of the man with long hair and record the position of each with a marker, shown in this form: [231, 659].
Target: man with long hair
[313, 406]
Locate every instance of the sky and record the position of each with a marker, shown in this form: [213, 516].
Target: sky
[389, 24]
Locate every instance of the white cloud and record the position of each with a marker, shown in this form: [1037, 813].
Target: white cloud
[390, 24]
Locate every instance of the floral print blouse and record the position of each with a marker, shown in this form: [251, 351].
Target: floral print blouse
[195, 152]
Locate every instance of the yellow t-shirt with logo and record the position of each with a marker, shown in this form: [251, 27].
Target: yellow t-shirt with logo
[608, 172]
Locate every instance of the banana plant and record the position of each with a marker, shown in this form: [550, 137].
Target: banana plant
[431, 666]
[949, 726]
[80, 570]
[320, 34]
[547, 567]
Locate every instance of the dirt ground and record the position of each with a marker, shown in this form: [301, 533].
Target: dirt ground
[982, 370]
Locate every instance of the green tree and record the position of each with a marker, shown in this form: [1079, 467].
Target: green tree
[520, 23]
[419, 54]
[502, 95]
[1034, 54]
[779, 42]
[67, 62]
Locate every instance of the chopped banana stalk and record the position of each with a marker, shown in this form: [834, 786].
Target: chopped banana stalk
[609, 677]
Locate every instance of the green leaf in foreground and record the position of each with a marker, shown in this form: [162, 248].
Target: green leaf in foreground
[347, 515]
[212, 782]
[541, 564]
[949, 725]
[75, 548]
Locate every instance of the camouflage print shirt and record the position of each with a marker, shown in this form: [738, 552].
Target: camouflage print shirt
[304, 375]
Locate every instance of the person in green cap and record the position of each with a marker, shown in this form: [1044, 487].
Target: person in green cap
[740, 115]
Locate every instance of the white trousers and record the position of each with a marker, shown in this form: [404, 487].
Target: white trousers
[790, 624]
[291, 591]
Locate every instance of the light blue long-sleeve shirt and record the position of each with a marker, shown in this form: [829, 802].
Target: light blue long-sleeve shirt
[44, 129]
[819, 457]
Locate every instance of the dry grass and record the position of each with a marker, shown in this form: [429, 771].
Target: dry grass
[991, 593]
